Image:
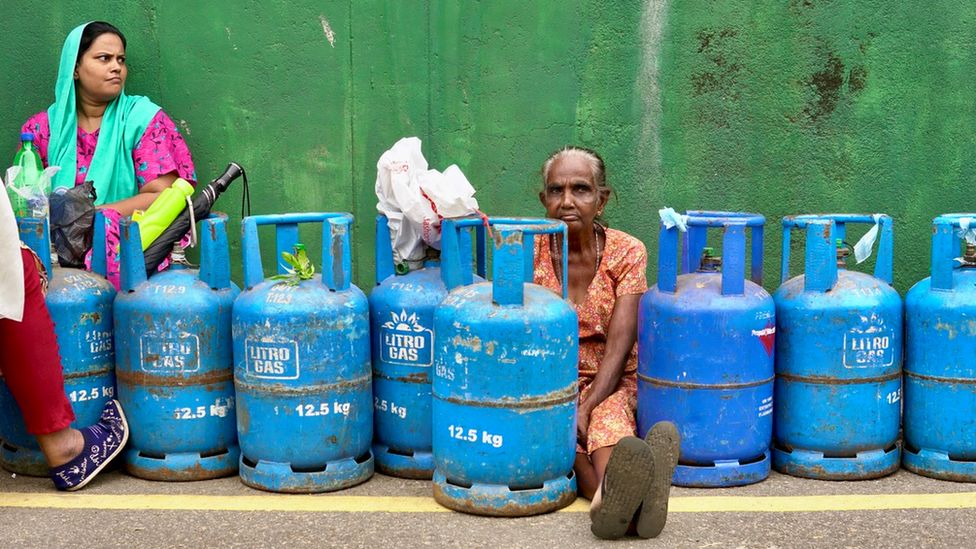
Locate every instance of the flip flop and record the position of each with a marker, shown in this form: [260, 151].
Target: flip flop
[665, 443]
[627, 480]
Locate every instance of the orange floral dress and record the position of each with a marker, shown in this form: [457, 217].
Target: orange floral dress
[621, 272]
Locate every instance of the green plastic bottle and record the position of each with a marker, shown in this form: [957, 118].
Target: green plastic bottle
[162, 212]
[30, 175]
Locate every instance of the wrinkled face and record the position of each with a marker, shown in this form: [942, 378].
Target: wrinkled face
[570, 193]
[100, 75]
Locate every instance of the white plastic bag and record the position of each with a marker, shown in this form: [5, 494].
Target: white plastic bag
[34, 193]
[864, 246]
[671, 218]
[12, 266]
[415, 199]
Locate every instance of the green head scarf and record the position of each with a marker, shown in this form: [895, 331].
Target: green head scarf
[123, 124]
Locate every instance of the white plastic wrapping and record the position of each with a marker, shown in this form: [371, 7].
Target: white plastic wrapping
[415, 199]
[864, 246]
[671, 218]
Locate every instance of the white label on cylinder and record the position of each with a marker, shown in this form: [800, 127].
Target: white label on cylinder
[272, 359]
[169, 352]
[869, 346]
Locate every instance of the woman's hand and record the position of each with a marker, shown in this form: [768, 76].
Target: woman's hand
[582, 422]
[621, 335]
[147, 195]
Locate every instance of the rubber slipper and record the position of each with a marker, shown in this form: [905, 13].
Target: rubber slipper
[665, 445]
[627, 480]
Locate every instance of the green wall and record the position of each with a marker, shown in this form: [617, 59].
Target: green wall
[776, 107]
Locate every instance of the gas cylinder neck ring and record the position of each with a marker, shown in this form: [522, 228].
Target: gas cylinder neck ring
[969, 257]
[709, 261]
[843, 251]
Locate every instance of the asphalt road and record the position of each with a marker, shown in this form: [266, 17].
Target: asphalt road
[777, 514]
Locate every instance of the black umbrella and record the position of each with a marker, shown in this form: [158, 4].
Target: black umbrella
[203, 201]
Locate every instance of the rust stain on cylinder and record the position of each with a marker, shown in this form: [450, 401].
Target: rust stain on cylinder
[147, 379]
[476, 506]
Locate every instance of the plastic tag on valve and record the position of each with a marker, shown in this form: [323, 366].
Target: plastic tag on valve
[967, 230]
[864, 246]
[671, 218]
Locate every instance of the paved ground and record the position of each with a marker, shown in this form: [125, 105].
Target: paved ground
[903, 510]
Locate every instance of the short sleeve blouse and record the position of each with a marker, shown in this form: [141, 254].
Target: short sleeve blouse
[621, 272]
[160, 151]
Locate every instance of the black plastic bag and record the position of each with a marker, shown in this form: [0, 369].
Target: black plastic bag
[72, 223]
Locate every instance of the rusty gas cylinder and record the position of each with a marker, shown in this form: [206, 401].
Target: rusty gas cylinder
[174, 362]
[505, 380]
[401, 309]
[838, 357]
[80, 305]
[940, 339]
[705, 352]
[302, 365]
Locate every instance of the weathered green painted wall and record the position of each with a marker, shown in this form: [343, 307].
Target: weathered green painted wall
[777, 107]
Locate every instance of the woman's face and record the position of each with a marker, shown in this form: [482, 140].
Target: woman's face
[571, 195]
[101, 73]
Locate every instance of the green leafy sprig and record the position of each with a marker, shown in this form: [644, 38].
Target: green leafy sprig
[299, 267]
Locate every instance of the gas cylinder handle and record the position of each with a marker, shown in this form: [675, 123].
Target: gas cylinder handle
[884, 264]
[946, 241]
[336, 252]
[383, 248]
[132, 262]
[507, 237]
[385, 267]
[733, 250]
[695, 239]
[99, 260]
[214, 252]
[36, 234]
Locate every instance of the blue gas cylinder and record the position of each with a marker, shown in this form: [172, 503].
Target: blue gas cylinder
[838, 357]
[505, 380]
[401, 308]
[80, 304]
[174, 367]
[302, 365]
[940, 341]
[705, 353]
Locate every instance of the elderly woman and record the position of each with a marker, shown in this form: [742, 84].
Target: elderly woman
[125, 144]
[627, 479]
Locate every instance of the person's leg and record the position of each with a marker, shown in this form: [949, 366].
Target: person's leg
[62, 446]
[586, 479]
[622, 462]
[31, 367]
[599, 460]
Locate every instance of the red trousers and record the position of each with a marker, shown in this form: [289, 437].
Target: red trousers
[30, 361]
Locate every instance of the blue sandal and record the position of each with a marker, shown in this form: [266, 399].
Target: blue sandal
[103, 441]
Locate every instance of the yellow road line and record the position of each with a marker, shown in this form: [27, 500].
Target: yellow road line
[396, 504]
